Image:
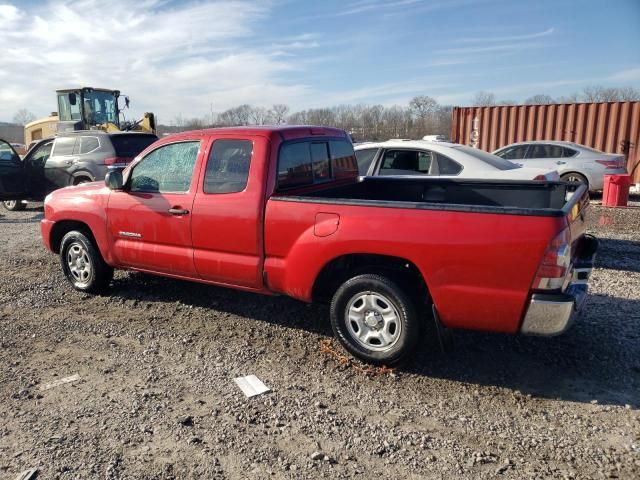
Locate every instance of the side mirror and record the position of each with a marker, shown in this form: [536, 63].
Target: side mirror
[113, 180]
[126, 101]
[72, 98]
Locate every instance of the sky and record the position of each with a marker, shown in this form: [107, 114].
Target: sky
[190, 58]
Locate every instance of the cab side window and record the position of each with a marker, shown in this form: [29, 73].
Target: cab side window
[167, 169]
[228, 166]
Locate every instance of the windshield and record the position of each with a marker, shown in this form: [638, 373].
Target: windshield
[493, 160]
[100, 107]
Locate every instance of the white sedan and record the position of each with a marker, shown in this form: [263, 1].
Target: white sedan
[442, 159]
[574, 163]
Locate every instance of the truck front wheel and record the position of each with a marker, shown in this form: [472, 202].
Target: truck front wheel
[374, 319]
[83, 264]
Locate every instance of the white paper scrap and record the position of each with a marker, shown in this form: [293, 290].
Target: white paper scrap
[62, 381]
[251, 385]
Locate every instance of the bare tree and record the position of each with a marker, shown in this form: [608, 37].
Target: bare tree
[628, 94]
[484, 99]
[423, 106]
[540, 99]
[573, 98]
[598, 93]
[259, 116]
[279, 113]
[178, 121]
[23, 116]
[235, 116]
[195, 123]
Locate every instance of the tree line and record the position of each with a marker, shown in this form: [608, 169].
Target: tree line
[423, 115]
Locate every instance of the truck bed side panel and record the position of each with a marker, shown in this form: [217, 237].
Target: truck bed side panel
[478, 266]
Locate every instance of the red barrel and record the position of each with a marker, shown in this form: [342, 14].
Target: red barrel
[616, 190]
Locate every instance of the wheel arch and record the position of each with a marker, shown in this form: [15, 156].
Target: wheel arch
[339, 269]
[61, 228]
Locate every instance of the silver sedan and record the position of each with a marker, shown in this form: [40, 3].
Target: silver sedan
[441, 159]
[574, 162]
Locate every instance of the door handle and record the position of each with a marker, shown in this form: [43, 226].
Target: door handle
[178, 211]
[559, 162]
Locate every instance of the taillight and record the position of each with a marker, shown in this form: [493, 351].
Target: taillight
[611, 163]
[555, 264]
[116, 160]
[540, 177]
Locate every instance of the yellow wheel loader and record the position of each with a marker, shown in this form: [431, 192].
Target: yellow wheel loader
[88, 108]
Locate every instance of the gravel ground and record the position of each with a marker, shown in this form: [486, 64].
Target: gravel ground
[155, 398]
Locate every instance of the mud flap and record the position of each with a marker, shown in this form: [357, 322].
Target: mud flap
[444, 334]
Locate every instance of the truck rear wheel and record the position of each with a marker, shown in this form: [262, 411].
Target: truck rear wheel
[83, 264]
[374, 319]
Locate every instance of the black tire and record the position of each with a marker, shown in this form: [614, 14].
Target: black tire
[575, 177]
[380, 289]
[76, 246]
[14, 205]
[81, 180]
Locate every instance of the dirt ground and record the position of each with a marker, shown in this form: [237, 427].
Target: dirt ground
[155, 397]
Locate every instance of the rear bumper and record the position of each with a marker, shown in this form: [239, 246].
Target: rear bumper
[551, 314]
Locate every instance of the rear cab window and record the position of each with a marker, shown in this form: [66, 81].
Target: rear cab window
[309, 162]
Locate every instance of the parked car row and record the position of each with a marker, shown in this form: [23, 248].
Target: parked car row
[77, 157]
[71, 158]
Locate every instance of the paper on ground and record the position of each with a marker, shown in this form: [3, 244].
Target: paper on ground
[62, 381]
[251, 385]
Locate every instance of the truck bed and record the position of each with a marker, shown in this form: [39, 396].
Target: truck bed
[490, 196]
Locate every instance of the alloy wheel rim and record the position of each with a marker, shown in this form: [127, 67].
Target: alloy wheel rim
[373, 321]
[79, 263]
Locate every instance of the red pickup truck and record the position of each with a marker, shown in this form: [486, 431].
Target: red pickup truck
[282, 210]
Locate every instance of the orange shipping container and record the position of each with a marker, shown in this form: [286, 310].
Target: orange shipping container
[613, 127]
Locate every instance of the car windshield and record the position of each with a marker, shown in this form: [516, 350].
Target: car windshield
[130, 145]
[489, 158]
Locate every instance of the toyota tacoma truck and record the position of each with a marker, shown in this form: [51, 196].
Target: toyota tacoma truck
[282, 210]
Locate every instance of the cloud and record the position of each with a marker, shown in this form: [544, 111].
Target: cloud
[511, 38]
[369, 5]
[630, 75]
[170, 58]
[509, 47]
